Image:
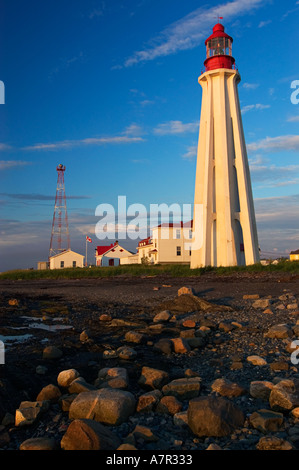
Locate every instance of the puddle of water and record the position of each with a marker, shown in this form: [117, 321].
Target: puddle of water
[17, 338]
[49, 327]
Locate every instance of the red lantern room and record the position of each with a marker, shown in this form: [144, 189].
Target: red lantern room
[219, 50]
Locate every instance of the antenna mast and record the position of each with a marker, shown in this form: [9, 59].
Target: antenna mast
[60, 237]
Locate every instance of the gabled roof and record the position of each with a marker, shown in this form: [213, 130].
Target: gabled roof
[294, 252]
[103, 250]
[66, 251]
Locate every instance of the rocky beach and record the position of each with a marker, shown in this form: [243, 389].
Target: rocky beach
[151, 363]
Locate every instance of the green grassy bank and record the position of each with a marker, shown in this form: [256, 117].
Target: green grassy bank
[142, 270]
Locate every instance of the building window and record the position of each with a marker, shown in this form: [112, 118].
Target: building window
[190, 234]
[178, 251]
[74, 264]
[177, 234]
[62, 264]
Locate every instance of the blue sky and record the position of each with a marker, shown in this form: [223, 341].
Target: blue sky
[110, 89]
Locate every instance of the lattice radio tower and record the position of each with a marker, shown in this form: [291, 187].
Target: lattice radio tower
[60, 237]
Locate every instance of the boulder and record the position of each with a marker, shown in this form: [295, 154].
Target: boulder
[273, 443]
[39, 443]
[109, 406]
[164, 346]
[50, 392]
[257, 360]
[52, 352]
[80, 385]
[266, 420]
[279, 331]
[29, 412]
[66, 377]
[152, 378]
[184, 388]
[285, 395]
[163, 316]
[114, 377]
[214, 416]
[226, 388]
[86, 434]
[134, 337]
[185, 290]
[169, 405]
[261, 303]
[148, 401]
[180, 345]
[124, 352]
[261, 389]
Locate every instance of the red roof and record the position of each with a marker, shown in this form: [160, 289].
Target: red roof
[218, 32]
[101, 250]
[145, 241]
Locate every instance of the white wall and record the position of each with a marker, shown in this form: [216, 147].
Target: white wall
[67, 257]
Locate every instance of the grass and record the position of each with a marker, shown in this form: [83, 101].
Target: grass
[145, 270]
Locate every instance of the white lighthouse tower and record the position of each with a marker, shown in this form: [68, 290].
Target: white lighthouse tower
[224, 226]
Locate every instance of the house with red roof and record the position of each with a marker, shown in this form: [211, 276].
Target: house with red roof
[110, 255]
[170, 243]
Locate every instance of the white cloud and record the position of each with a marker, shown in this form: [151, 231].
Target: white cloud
[190, 30]
[7, 164]
[283, 142]
[249, 107]
[250, 86]
[130, 135]
[264, 23]
[191, 153]
[176, 127]
[293, 119]
[4, 147]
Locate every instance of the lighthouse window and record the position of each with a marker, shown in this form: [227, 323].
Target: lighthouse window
[219, 46]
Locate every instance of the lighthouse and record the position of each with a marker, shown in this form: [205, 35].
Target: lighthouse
[224, 226]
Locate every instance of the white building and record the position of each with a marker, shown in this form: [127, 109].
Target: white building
[169, 244]
[66, 259]
[111, 255]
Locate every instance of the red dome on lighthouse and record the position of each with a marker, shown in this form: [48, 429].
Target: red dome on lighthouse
[219, 50]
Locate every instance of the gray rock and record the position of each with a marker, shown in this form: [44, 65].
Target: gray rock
[279, 331]
[163, 316]
[51, 352]
[261, 303]
[261, 389]
[66, 377]
[29, 412]
[152, 378]
[79, 385]
[214, 416]
[184, 388]
[109, 406]
[39, 443]
[285, 395]
[273, 443]
[226, 388]
[114, 377]
[266, 420]
[86, 434]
